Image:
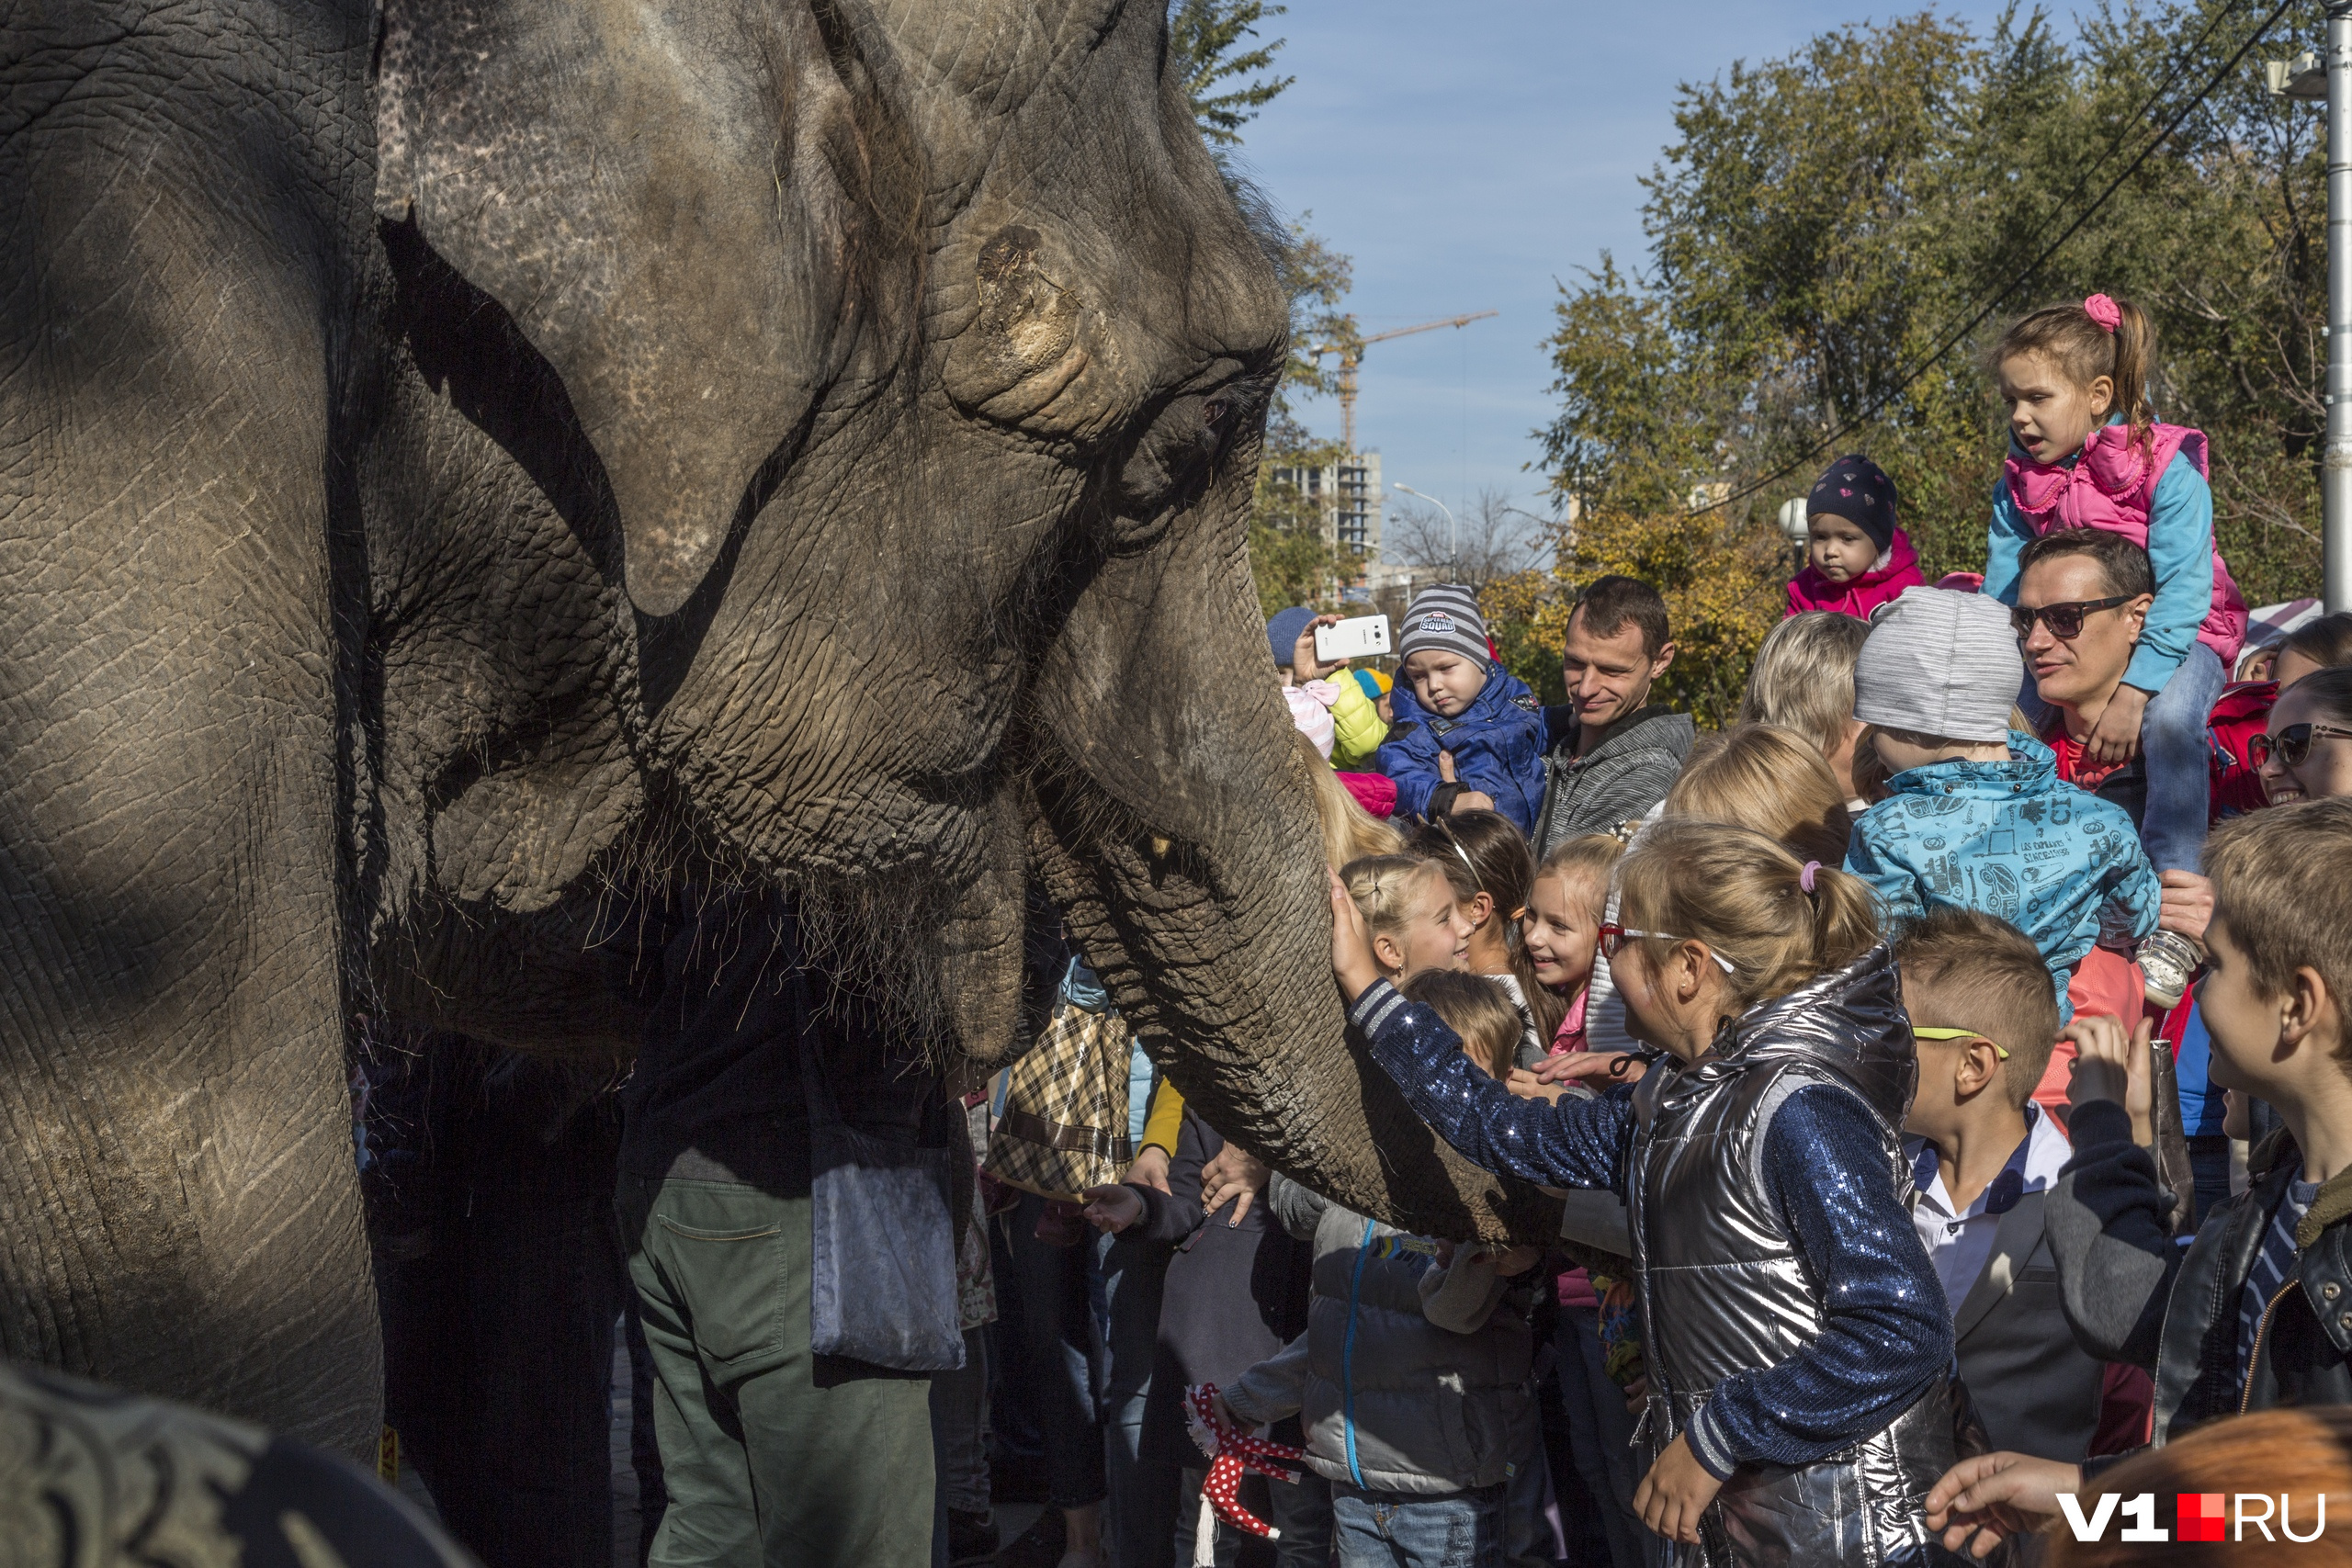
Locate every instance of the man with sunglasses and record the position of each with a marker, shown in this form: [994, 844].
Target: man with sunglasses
[2127, 721]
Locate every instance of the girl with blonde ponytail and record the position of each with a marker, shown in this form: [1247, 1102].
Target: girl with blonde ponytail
[2087, 451]
[1800, 1405]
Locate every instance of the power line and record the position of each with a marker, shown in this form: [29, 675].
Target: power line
[2017, 282]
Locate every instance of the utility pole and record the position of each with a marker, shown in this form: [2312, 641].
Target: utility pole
[2314, 81]
[2336, 479]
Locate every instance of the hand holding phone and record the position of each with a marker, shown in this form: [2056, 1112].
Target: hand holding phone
[1360, 637]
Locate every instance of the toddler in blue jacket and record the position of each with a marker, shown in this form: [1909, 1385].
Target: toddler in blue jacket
[1977, 816]
[1452, 701]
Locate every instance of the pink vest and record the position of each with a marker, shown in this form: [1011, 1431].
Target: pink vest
[2112, 486]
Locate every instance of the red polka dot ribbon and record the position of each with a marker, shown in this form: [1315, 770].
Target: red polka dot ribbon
[1231, 1452]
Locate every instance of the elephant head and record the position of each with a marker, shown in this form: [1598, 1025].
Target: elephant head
[912, 359]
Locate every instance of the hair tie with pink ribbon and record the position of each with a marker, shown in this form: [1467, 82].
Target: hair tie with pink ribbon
[1805, 877]
[2104, 310]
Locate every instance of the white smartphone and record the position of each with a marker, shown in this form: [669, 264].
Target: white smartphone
[1358, 637]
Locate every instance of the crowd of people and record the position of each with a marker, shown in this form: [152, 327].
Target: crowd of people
[1909, 1176]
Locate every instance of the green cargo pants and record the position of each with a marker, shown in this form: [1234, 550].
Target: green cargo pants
[763, 1465]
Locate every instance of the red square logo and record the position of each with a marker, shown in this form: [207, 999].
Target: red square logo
[2201, 1514]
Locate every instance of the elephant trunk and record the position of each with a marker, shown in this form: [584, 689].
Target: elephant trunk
[1174, 825]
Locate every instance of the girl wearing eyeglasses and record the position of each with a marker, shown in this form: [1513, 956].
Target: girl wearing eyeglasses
[1799, 1407]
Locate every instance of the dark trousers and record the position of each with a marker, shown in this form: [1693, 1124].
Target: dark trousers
[770, 1455]
[1047, 1330]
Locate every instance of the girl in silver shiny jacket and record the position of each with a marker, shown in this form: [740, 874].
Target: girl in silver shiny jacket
[1801, 1402]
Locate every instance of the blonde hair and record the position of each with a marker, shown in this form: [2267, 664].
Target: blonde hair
[1349, 832]
[1475, 1009]
[1383, 888]
[1587, 855]
[1770, 778]
[1742, 894]
[1966, 969]
[2280, 887]
[1803, 677]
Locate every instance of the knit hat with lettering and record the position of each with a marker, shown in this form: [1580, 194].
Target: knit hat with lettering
[1446, 619]
[1940, 663]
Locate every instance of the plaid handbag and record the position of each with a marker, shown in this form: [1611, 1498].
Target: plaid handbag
[1064, 1128]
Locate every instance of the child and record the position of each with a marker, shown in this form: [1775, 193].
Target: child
[1984, 1158]
[1467, 736]
[1799, 1407]
[1803, 679]
[1561, 930]
[1488, 861]
[1856, 558]
[1409, 906]
[2086, 450]
[1357, 726]
[1771, 779]
[1412, 1377]
[2251, 1313]
[1977, 818]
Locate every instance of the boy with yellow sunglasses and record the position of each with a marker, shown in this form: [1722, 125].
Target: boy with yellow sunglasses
[1983, 1154]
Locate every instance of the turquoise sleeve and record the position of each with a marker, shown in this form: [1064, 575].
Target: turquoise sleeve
[2180, 549]
[2002, 542]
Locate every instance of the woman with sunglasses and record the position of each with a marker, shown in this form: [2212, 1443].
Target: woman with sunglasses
[1799, 1407]
[2305, 751]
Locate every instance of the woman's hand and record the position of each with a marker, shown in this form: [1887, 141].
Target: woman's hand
[1150, 1170]
[1675, 1493]
[2109, 1066]
[1351, 958]
[2187, 905]
[1112, 1209]
[2115, 739]
[1232, 1172]
[1982, 1501]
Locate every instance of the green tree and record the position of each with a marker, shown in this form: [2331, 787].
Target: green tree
[1209, 41]
[1826, 223]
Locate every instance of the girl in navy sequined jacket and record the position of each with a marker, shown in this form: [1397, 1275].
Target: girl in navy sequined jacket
[1760, 979]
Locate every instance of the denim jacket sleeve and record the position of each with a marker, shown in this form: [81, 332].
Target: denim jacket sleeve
[1886, 1328]
[1576, 1143]
[2180, 550]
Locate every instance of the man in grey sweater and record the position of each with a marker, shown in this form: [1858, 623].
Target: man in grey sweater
[1610, 753]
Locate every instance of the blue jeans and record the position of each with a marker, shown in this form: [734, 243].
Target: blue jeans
[1408, 1529]
[2175, 736]
[1140, 1518]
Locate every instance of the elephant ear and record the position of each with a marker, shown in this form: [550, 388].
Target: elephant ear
[652, 190]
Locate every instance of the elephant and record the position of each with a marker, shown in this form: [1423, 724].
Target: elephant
[469, 463]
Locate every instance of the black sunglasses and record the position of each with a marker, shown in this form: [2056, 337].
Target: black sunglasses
[2293, 744]
[2064, 621]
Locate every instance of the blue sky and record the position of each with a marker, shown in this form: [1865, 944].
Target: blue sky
[1467, 153]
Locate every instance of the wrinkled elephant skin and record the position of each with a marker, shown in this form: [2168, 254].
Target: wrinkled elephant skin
[466, 466]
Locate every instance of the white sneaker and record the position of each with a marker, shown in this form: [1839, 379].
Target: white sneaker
[2168, 961]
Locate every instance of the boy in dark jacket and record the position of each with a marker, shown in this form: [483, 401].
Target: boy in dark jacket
[1468, 736]
[2257, 1311]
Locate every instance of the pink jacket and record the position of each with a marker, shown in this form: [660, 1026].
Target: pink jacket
[2112, 486]
[1811, 590]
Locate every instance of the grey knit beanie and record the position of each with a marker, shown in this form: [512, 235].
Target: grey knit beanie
[1446, 618]
[1942, 663]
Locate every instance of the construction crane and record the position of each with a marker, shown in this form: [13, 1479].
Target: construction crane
[1349, 358]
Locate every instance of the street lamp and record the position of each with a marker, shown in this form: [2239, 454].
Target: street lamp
[1452, 544]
